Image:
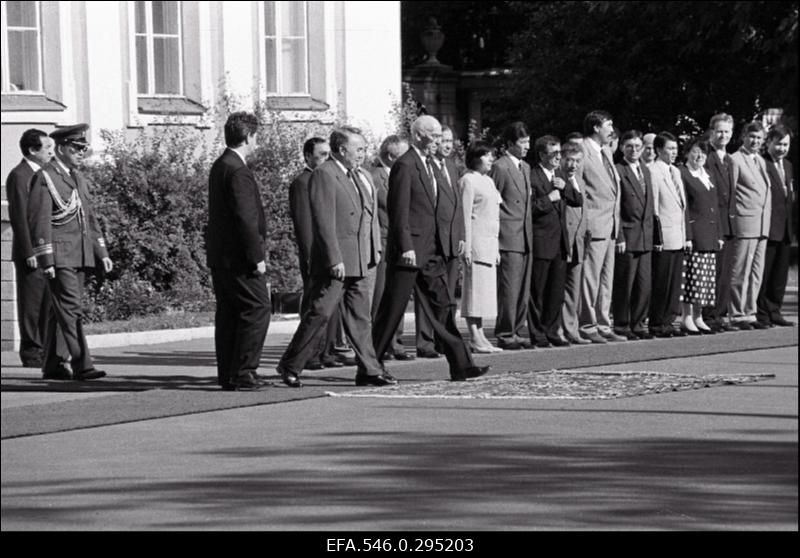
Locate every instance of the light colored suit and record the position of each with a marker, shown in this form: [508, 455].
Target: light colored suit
[750, 221]
[602, 212]
[481, 206]
[669, 197]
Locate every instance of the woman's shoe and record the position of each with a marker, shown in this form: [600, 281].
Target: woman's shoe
[482, 350]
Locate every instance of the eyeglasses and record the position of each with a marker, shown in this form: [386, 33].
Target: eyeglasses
[553, 154]
[79, 148]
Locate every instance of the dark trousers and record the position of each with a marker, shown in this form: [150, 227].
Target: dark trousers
[33, 310]
[65, 323]
[326, 294]
[723, 275]
[329, 340]
[434, 297]
[240, 323]
[667, 272]
[396, 344]
[513, 296]
[630, 299]
[548, 279]
[425, 337]
[773, 282]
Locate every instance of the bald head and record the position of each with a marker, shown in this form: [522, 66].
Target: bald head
[648, 152]
[426, 133]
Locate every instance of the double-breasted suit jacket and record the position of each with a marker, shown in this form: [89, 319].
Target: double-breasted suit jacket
[702, 206]
[63, 228]
[514, 185]
[752, 204]
[636, 208]
[669, 200]
[346, 228]
[720, 172]
[548, 218]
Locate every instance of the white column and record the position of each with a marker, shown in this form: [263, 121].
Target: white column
[239, 22]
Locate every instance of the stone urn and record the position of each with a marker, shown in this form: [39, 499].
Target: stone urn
[432, 40]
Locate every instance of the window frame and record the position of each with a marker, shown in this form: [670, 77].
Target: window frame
[5, 84]
[150, 38]
[278, 38]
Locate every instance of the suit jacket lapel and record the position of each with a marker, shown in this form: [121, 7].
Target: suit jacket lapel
[446, 188]
[349, 187]
[426, 182]
[516, 176]
[633, 180]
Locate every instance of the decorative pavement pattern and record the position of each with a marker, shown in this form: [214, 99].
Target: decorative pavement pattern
[557, 384]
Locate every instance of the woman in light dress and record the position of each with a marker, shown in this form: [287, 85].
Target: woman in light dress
[481, 203]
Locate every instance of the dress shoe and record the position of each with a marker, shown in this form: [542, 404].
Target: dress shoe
[706, 331]
[60, 373]
[728, 327]
[643, 334]
[314, 365]
[558, 342]
[427, 354]
[760, 325]
[331, 363]
[578, 341]
[512, 346]
[781, 321]
[346, 360]
[471, 372]
[688, 331]
[525, 344]
[91, 374]
[543, 344]
[661, 332]
[473, 348]
[246, 382]
[627, 334]
[379, 380]
[679, 332]
[289, 378]
[744, 326]
[404, 356]
[613, 337]
[595, 337]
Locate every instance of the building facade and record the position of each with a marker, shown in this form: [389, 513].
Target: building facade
[127, 65]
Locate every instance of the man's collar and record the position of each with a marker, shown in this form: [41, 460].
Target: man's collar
[32, 164]
[633, 164]
[239, 155]
[64, 167]
[514, 159]
[596, 146]
[309, 169]
[549, 173]
[339, 163]
[419, 153]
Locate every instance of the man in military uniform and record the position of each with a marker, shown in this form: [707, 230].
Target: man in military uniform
[66, 239]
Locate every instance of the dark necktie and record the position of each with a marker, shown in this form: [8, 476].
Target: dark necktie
[640, 176]
[432, 176]
[609, 168]
[366, 198]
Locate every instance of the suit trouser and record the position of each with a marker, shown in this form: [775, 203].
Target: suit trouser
[33, 309]
[547, 296]
[723, 277]
[434, 297]
[630, 300]
[65, 323]
[329, 340]
[773, 285]
[598, 279]
[667, 278]
[396, 345]
[513, 296]
[570, 309]
[746, 274]
[425, 337]
[240, 322]
[326, 294]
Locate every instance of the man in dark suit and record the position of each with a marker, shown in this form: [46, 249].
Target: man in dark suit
[777, 258]
[66, 240]
[33, 300]
[718, 166]
[630, 299]
[345, 251]
[315, 152]
[549, 196]
[392, 147]
[415, 259]
[236, 249]
[449, 235]
[512, 177]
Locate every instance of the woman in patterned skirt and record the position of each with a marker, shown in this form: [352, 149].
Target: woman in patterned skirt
[703, 228]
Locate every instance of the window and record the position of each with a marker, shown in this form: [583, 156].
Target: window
[22, 52]
[159, 56]
[285, 48]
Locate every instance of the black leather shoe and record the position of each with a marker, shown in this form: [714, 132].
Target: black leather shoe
[331, 363]
[471, 372]
[761, 325]
[558, 342]
[542, 344]
[744, 326]
[525, 344]
[781, 321]
[314, 365]
[290, 378]
[246, 382]
[627, 334]
[404, 356]
[578, 341]
[379, 380]
[643, 334]
[728, 327]
[513, 346]
[679, 332]
[91, 374]
[662, 333]
[60, 373]
[428, 354]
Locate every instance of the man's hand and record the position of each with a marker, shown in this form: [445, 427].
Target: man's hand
[261, 268]
[409, 258]
[721, 243]
[461, 246]
[658, 247]
[378, 258]
[337, 271]
[554, 196]
[621, 247]
[558, 183]
[50, 272]
[688, 246]
[108, 265]
[467, 259]
[31, 262]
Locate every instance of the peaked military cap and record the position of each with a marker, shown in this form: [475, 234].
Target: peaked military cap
[71, 134]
